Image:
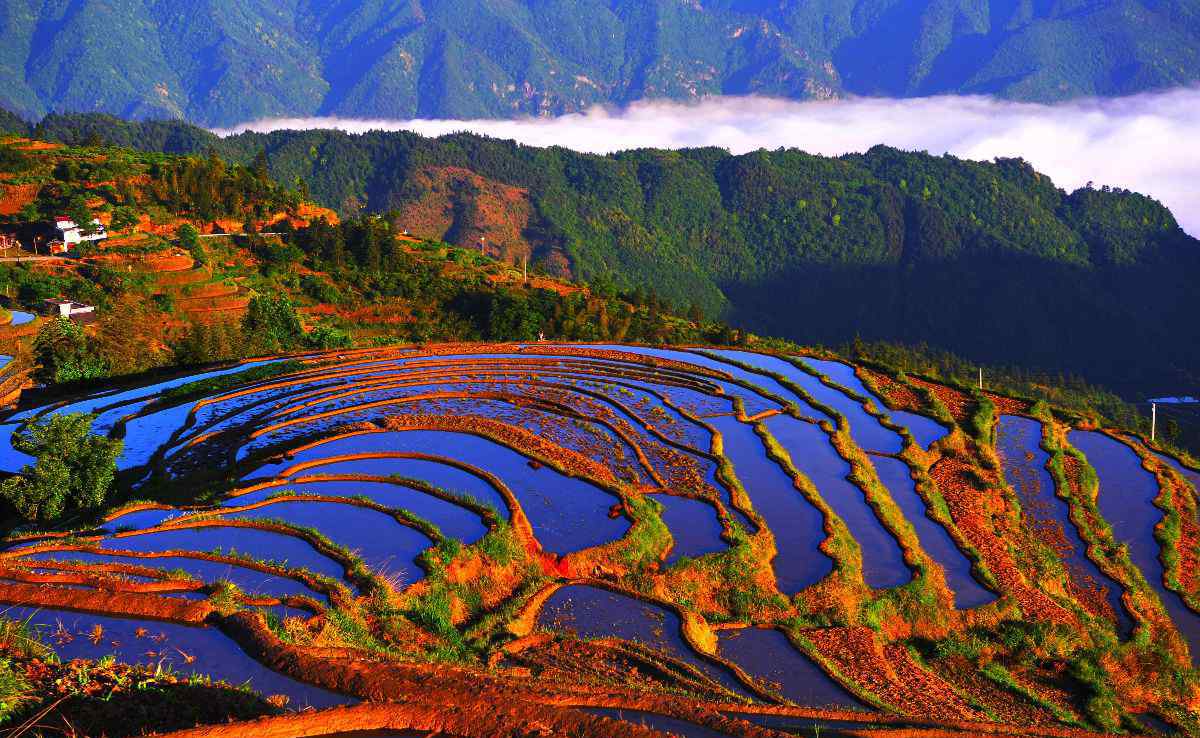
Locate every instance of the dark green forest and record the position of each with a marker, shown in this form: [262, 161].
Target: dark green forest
[222, 62]
[989, 260]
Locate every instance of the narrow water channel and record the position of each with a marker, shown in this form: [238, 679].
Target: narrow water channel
[1126, 499]
[796, 523]
[814, 455]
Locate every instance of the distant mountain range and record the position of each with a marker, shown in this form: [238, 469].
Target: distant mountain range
[220, 62]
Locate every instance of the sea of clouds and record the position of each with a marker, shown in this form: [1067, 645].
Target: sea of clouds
[1149, 143]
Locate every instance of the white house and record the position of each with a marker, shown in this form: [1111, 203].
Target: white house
[71, 233]
[66, 308]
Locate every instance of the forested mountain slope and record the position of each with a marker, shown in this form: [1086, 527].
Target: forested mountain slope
[219, 62]
[990, 260]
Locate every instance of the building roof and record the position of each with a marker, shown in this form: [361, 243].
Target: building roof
[63, 223]
[61, 301]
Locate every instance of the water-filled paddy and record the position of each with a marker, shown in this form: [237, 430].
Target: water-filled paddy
[11, 460]
[694, 526]
[1018, 443]
[662, 723]
[251, 581]
[1126, 499]
[591, 612]
[539, 394]
[936, 542]
[452, 479]
[1191, 475]
[756, 401]
[811, 452]
[567, 514]
[865, 428]
[453, 520]
[796, 523]
[144, 435]
[259, 544]
[211, 651]
[140, 519]
[925, 430]
[769, 657]
[109, 399]
[386, 546]
[803, 726]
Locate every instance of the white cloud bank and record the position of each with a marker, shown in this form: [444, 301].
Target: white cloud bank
[1149, 143]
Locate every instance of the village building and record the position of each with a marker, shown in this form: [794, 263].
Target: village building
[70, 234]
[77, 312]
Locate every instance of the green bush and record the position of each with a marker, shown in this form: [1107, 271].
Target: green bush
[271, 324]
[74, 469]
[327, 337]
[64, 355]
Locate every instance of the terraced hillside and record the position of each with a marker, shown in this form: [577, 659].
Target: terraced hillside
[609, 540]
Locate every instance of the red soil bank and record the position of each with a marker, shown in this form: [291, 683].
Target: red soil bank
[127, 604]
[958, 403]
[980, 515]
[896, 395]
[889, 673]
[14, 197]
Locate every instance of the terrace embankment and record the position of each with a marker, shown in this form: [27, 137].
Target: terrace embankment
[556, 457]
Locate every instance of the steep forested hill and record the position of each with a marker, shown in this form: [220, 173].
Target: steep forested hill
[990, 260]
[220, 62]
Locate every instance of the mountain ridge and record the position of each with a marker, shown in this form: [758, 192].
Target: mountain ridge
[224, 62]
[985, 259]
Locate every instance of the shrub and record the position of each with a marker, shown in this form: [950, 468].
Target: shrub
[63, 353]
[189, 238]
[327, 337]
[74, 470]
[271, 324]
[124, 218]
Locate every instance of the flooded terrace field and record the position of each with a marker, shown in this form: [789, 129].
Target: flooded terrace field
[707, 539]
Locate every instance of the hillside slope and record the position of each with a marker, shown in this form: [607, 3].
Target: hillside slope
[220, 62]
[210, 261]
[989, 260]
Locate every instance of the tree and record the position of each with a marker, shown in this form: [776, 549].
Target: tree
[124, 218]
[512, 318]
[132, 335]
[328, 337]
[271, 324]
[189, 238]
[261, 167]
[78, 211]
[64, 355]
[74, 470]
[205, 343]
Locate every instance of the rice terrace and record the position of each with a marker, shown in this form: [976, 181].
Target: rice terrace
[610, 540]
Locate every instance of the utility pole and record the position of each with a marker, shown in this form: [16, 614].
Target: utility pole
[525, 269]
[1153, 420]
[981, 378]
